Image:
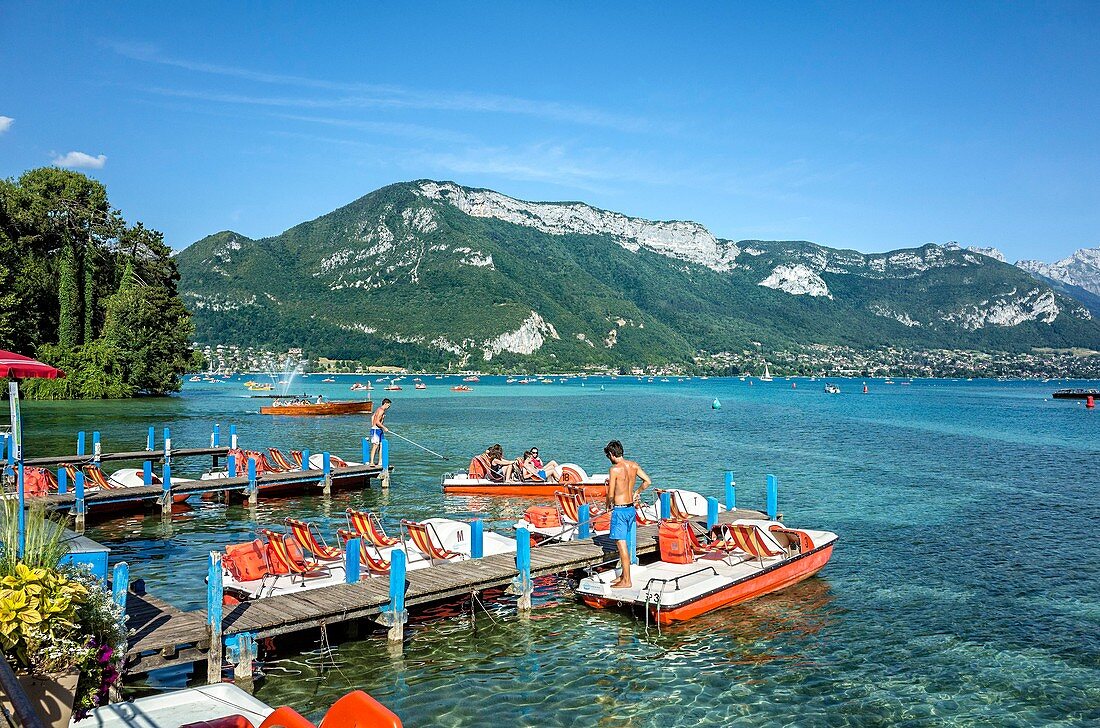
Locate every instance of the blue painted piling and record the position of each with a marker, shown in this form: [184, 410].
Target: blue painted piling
[233, 437]
[80, 443]
[147, 472]
[214, 617]
[523, 566]
[165, 478]
[396, 609]
[231, 466]
[351, 561]
[97, 447]
[584, 528]
[666, 505]
[773, 497]
[62, 481]
[477, 539]
[151, 438]
[712, 513]
[78, 506]
[385, 452]
[251, 475]
[167, 445]
[216, 436]
[305, 459]
[366, 449]
[731, 491]
[326, 464]
[120, 586]
[632, 541]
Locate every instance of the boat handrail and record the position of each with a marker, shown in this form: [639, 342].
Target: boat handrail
[20, 702]
[676, 579]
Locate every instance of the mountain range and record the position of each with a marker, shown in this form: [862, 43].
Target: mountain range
[430, 273]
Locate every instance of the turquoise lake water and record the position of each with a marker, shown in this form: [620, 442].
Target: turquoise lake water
[965, 588]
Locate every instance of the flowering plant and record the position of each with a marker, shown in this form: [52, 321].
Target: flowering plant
[56, 618]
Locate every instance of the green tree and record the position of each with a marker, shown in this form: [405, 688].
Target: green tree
[70, 329]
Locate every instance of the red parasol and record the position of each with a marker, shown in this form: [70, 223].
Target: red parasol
[17, 366]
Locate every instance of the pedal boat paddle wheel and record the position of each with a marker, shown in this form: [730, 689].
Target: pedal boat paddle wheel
[479, 479]
[733, 563]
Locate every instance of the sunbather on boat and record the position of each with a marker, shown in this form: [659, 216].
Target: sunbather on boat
[506, 469]
[549, 471]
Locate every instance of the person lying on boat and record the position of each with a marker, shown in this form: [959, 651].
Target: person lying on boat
[548, 471]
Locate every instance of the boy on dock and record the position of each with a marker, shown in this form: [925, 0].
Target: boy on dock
[621, 498]
[377, 427]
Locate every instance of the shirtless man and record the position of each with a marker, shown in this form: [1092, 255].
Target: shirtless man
[377, 427]
[621, 498]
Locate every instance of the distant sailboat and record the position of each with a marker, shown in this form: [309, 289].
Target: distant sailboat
[767, 375]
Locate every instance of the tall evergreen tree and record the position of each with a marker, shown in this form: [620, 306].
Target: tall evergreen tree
[70, 325]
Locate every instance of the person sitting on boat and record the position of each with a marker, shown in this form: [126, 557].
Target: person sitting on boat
[549, 471]
[320, 398]
[501, 466]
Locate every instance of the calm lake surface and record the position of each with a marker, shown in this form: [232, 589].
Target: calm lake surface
[965, 588]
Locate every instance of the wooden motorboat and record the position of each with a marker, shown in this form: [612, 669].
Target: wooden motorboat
[315, 409]
[475, 481]
[461, 388]
[742, 560]
[1077, 394]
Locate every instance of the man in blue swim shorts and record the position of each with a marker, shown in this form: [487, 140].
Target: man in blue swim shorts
[621, 499]
[377, 427]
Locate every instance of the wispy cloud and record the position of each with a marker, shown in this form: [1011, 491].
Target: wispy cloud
[5, 123]
[80, 160]
[353, 94]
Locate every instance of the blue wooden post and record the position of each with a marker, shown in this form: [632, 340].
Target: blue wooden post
[151, 439]
[523, 566]
[216, 436]
[584, 528]
[396, 609]
[632, 541]
[166, 489]
[120, 586]
[253, 494]
[666, 505]
[477, 539]
[167, 445]
[233, 437]
[712, 513]
[231, 466]
[80, 443]
[62, 481]
[351, 561]
[97, 447]
[385, 452]
[305, 460]
[214, 591]
[147, 472]
[366, 449]
[326, 473]
[773, 497]
[79, 505]
[731, 491]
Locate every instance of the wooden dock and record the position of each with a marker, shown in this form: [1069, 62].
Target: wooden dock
[155, 494]
[170, 636]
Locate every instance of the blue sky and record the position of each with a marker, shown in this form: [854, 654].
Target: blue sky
[871, 126]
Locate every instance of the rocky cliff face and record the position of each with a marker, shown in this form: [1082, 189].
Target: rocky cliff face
[1082, 269]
